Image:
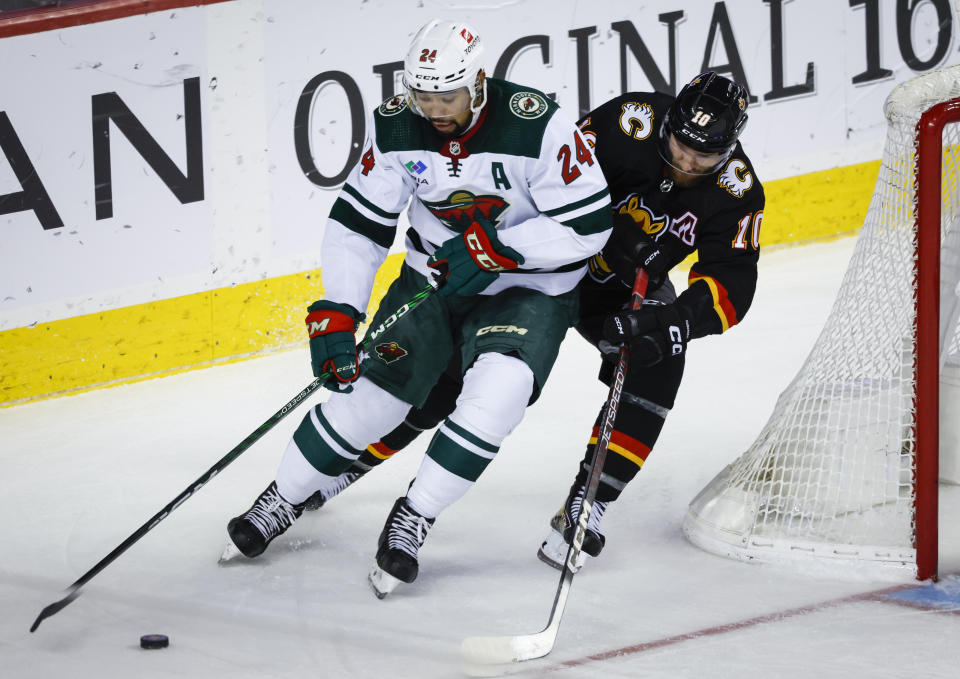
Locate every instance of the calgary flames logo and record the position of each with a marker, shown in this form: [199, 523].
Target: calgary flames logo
[735, 178]
[388, 352]
[650, 223]
[461, 209]
[636, 120]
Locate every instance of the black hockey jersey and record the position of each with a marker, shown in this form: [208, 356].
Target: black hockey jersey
[719, 217]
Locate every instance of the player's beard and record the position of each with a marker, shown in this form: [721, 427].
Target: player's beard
[684, 180]
[452, 132]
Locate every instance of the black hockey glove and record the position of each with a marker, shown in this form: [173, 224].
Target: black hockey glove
[653, 333]
[469, 262]
[333, 347]
[631, 247]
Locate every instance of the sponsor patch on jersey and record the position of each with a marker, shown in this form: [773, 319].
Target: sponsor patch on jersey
[393, 105]
[528, 105]
[416, 167]
[388, 352]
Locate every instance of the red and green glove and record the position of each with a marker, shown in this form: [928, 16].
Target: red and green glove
[466, 264]
[333, 347]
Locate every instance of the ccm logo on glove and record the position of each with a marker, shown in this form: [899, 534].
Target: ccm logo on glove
[679, 342]
[332, 344]
[483, 253]
[653, 332]
[468, 263]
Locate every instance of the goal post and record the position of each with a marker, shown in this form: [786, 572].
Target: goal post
[845, 474]
[932, 145]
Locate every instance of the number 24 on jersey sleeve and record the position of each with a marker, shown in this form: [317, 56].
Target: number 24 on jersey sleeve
[569, 166]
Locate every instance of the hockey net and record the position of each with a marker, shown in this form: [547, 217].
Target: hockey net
[844, 474]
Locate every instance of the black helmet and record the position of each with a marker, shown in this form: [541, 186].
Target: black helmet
[708, 114]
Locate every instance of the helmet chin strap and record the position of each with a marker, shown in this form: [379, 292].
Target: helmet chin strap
[475, 110]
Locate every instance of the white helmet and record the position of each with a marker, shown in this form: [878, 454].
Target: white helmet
[445, 56]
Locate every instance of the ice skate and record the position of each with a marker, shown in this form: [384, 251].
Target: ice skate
[398, 546]
[563, 525]
[250, 533]
[320, 498]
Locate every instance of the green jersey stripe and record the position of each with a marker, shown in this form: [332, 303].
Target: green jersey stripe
[351, 218]
[367, 204]
[590, 223]
[570, 207]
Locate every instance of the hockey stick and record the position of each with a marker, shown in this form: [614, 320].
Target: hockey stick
[73, 591]
[517, 648]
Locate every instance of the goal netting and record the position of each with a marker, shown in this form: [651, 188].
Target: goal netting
[840, 476]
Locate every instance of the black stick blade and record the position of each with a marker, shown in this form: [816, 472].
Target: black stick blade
[54, 608]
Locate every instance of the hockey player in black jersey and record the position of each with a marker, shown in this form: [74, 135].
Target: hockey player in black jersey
[680, 183]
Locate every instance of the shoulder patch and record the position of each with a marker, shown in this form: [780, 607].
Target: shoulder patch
[636, 120]
[528, 105]
[393, 105]
[735, 178]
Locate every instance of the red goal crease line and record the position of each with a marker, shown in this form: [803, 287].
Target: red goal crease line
[879, 596]
[39, 19]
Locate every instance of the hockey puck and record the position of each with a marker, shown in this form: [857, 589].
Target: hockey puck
[154, 641]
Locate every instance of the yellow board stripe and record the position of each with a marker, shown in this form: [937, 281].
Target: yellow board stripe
[230, 324]
[164, 337]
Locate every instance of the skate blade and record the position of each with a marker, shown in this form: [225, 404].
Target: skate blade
[382, 582]
[230, 552]
[553, 552]
[547, 559]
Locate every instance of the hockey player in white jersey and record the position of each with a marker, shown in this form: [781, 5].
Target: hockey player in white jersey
[506, 205]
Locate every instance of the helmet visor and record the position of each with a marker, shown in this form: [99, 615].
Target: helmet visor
[440, 105]
[689, 161]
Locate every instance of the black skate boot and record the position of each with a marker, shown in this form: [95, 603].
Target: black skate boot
[563, 525]
[318, 499]
[250, 533]
[399, 543]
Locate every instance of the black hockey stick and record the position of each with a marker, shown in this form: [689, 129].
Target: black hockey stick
[520, 647]
[73, 591]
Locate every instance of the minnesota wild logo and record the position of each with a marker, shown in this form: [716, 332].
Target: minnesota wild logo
[392, 106]
[388, 352]
[461, 208]
[528, 105]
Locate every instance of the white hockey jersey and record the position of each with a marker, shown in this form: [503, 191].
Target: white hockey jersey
[522, 166]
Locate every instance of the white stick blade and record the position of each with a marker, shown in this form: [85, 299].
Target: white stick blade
[497, 650]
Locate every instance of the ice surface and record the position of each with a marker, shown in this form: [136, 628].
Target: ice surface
[79, 474]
